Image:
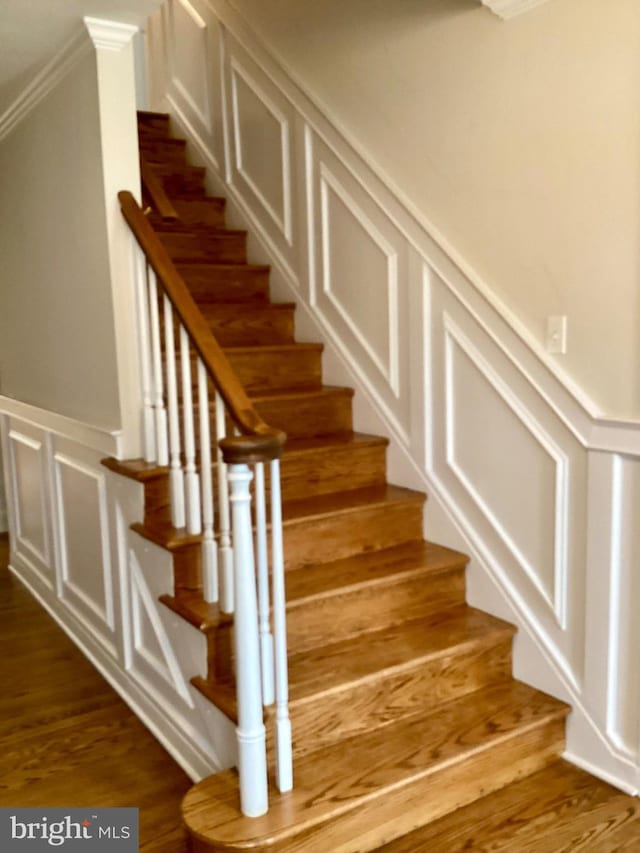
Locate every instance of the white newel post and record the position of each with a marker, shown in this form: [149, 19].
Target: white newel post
[252, 757]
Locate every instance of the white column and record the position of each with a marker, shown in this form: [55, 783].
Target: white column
[266, 639]
[252, 757]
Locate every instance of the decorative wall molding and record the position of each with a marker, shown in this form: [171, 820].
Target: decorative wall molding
[105, 441]
[506, 9]
[45, 81]
[555, 593]
[109, 35]
[182, 54]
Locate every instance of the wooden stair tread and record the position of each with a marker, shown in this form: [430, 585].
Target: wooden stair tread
[300, 393]
[158, 529]
[370, 657]
[327, 668]
[195, 610]
[358, 771]
[371, 567]
[292, 348]
[344, 502]
[138, 469]
[558, 808]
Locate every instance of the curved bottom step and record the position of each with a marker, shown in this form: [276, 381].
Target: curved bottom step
[364, 792]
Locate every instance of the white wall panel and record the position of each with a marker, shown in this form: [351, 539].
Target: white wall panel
[509, 468]
[516, 474]
[359, 279]
[261, 152]
[85, 570]
[194, 63]
[623, 695]
[29, 497]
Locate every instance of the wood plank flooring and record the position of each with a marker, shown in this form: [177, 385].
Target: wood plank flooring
[66, 738]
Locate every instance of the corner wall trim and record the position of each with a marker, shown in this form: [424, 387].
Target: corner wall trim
[44, 82]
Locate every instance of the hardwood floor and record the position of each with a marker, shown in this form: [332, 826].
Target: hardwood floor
[66, 738]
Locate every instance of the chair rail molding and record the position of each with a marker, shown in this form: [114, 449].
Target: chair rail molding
[506, 9]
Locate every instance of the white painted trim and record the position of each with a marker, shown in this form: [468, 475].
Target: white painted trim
[594, 770]
[557, 599]
[506, 9]
[44, 82]
[109, 35]
[284, 222]
[160, 718]
[94, 437]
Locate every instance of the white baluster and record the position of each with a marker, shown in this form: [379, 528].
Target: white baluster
[209, 553]
[191, 481]
[162, 447]
[176, 476]
[225, 551]
[284, 756]
[252, 758]
[266, 639]
[149, 437]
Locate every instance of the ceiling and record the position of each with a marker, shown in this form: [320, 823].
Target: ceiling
[33, 31]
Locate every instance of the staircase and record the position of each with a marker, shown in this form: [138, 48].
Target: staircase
[402, 702]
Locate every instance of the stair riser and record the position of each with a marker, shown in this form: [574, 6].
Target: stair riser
[201, 212]
[153, 126]
[180, 180]
[321, 473]
[212, 285]
[334, 470]
[394, 696]
[222, 248]
[310, 417]
[277, 371]
[164, 151]
[339, 535]
[314, 623]
[402, 809]
[234, 326]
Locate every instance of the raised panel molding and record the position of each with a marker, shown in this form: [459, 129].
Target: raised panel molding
[506, 9]
[260, 124]
[190, 60]
[554, 589]
[27, 465]
[150, 643]
[623, 694]
[385, 355]
[85, 573]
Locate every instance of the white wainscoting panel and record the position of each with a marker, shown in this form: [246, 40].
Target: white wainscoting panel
[623, 695]
[517, 474]
[84, 562]
[153, 655]
[194, 65]
[29, 497]
[358, 278]
[261, 154]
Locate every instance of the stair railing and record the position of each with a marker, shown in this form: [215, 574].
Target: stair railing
[235, 562]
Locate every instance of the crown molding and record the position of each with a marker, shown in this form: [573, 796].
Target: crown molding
[506, 9]
[109, 35]
[44, 81]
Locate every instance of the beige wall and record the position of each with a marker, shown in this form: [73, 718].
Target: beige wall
[57, 348]
[519, 141]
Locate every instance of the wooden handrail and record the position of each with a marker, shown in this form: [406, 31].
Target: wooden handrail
[156, 192]
[259, 441]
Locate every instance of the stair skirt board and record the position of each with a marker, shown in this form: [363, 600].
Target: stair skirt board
[403, 705]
